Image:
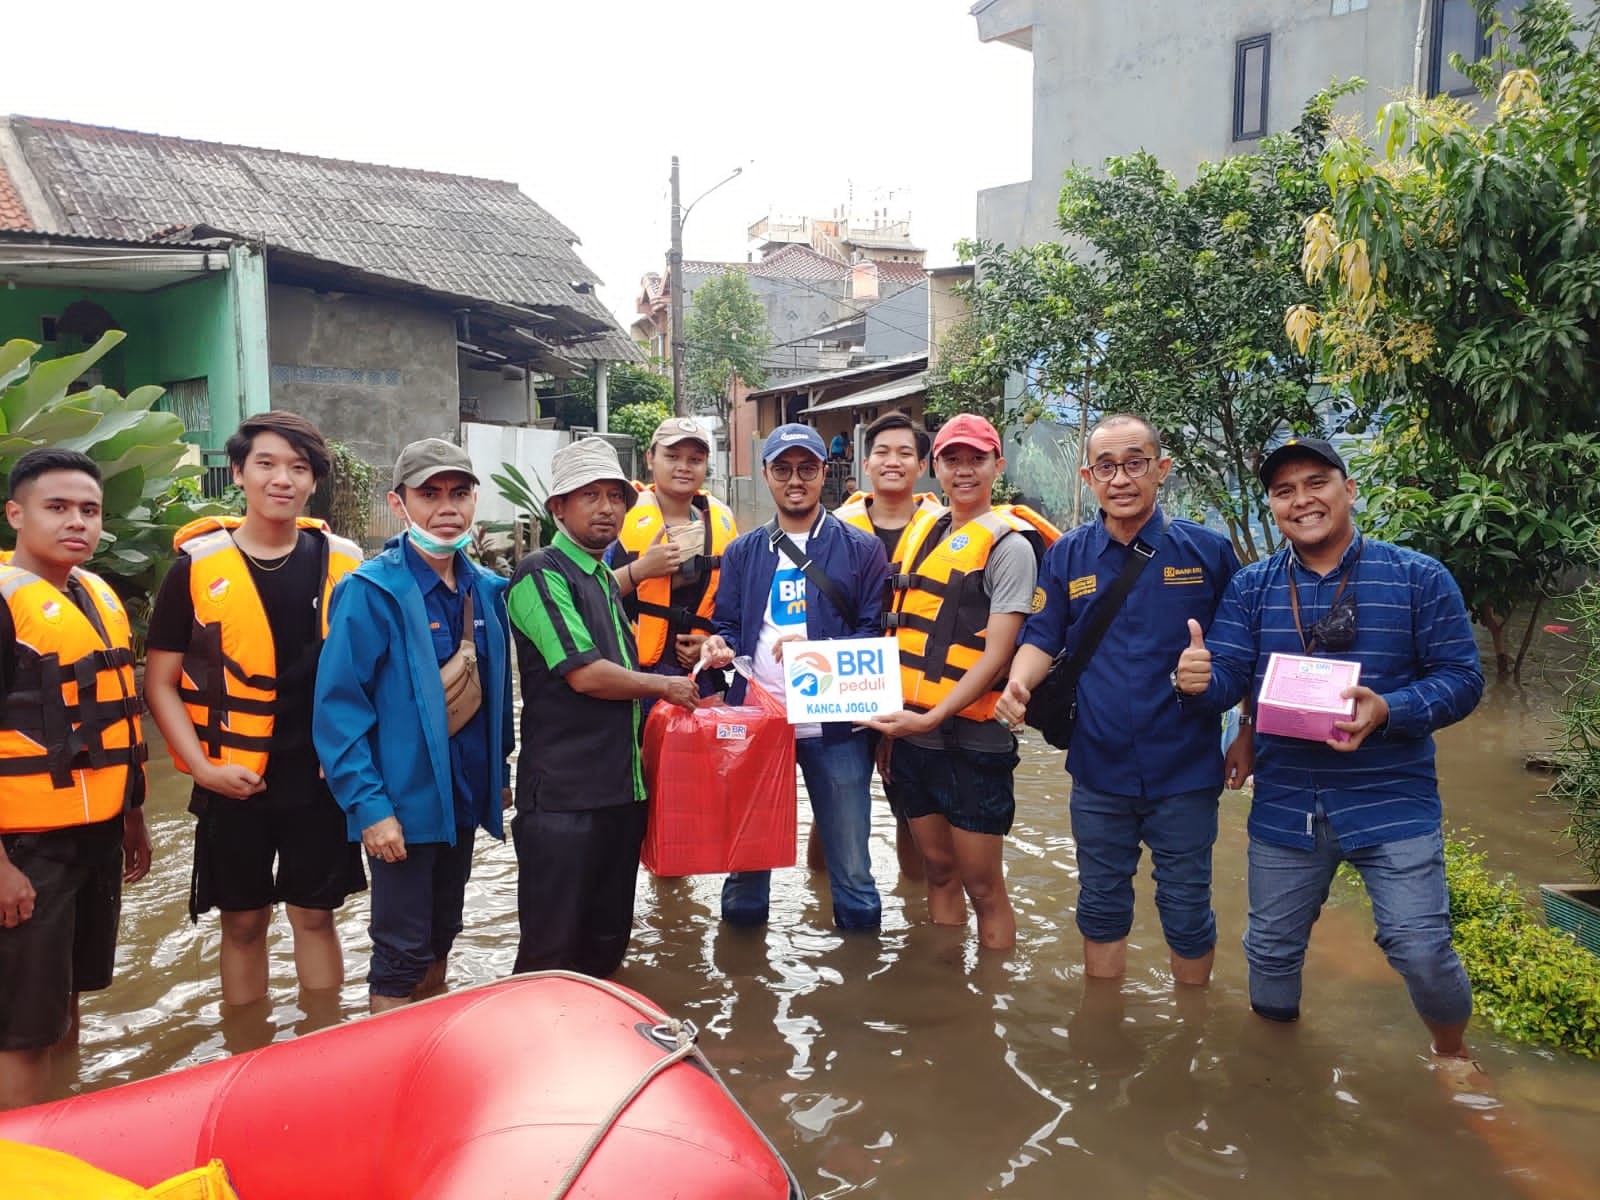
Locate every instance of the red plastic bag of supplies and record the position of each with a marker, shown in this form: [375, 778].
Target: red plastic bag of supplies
[722, 787]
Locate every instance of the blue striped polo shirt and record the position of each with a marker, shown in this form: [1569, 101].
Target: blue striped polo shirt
[1415, 646]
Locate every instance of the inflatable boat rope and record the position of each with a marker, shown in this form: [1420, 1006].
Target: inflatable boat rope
[684, 1040]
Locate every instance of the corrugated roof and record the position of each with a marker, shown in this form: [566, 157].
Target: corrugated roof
[884, 393]
[12, 214]
[451, 233]
[907, 362]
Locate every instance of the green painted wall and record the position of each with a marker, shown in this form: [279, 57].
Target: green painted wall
[185, 331]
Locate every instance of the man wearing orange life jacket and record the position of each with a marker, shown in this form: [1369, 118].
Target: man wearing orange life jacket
[950, 761]
[668, 558]
[233, 647]
[896, 451]
[72, 753]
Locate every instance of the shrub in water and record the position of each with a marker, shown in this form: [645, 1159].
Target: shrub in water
[1529, 982]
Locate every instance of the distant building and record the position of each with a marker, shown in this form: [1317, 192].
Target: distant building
[839, 292]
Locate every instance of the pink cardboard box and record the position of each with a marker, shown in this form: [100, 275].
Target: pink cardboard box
[1300, 697]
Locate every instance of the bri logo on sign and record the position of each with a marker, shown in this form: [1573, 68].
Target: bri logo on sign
[811, 674]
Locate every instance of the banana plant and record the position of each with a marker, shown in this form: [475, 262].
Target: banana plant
[528, 498]
[137, 448]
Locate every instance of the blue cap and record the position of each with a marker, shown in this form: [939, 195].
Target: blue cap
[789, 437]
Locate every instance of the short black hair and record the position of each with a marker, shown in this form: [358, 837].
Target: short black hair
[898, 419]
[47, 458]
[300, 433]
[1124, 418]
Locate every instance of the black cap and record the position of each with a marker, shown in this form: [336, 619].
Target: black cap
[1299, 447]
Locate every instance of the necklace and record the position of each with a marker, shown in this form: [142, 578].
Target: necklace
[262, 566]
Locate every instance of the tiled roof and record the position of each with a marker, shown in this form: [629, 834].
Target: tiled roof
[802, 262]
[908, 273]
[12, 214]
[450, 233]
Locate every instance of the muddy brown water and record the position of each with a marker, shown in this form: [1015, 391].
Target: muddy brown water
[907, 1065]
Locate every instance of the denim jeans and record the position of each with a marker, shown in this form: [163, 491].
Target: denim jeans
[1179, 830]
[1410, 903]
[416, 911]
[838, 777]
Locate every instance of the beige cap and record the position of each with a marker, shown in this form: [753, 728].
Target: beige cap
[679, 429]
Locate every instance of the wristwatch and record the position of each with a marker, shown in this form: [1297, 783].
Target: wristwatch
[1176, 690]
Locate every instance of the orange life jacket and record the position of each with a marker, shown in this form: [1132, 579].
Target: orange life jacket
[857, 511]
[656, 618]
[940, 611]
[70, 737]
[229, 682]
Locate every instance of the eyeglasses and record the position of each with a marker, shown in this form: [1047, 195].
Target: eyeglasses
[1133, 468]
[783, 472]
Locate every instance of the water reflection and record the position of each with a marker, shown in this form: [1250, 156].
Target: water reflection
[906, 1064]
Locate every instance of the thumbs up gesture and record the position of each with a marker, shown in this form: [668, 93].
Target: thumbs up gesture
[1193, 675]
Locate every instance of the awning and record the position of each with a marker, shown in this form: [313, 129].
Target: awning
[911, 385]
[103, 268]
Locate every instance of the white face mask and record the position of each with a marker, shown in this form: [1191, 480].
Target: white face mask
[431, 546]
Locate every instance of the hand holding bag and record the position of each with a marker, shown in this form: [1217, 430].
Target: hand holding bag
[463, 687]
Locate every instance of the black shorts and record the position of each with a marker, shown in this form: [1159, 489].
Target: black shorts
[70, 943]
[974, 790]
[237, 843]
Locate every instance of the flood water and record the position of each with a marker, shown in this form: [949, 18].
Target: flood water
[907, 1065]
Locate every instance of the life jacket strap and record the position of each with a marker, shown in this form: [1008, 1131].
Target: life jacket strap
[35, 764]
[675, 615]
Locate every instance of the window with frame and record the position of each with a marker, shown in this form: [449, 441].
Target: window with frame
[1252, 60]
[1457, 29]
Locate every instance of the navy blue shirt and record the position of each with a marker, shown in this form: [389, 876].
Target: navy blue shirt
[469, 747]
[1415, 646]
[1132, 737]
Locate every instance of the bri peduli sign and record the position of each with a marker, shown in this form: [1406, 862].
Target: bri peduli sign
[841, 681]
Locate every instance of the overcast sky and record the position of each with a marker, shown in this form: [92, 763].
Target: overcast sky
[581, 104]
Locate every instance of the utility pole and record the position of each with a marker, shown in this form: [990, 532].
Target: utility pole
[680, 395]
[680, 399]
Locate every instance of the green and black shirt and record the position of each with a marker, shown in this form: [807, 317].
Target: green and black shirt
[565, 613]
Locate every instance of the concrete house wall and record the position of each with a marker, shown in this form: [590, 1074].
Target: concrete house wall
[1110, 78]
[371, 372]
[898, 325]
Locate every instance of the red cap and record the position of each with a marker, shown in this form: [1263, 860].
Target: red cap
[967, 429]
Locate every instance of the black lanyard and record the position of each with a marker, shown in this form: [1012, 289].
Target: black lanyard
[1308, 643]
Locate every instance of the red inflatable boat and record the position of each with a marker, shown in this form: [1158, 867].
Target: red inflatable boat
[541, 1086]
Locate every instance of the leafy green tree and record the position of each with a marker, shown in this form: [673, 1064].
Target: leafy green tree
[137, 449]
[1173, 309]
[572, 401]
[1507, 526]
[1460, 287]
[725, 341]
[639, 421]
[628, 384]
